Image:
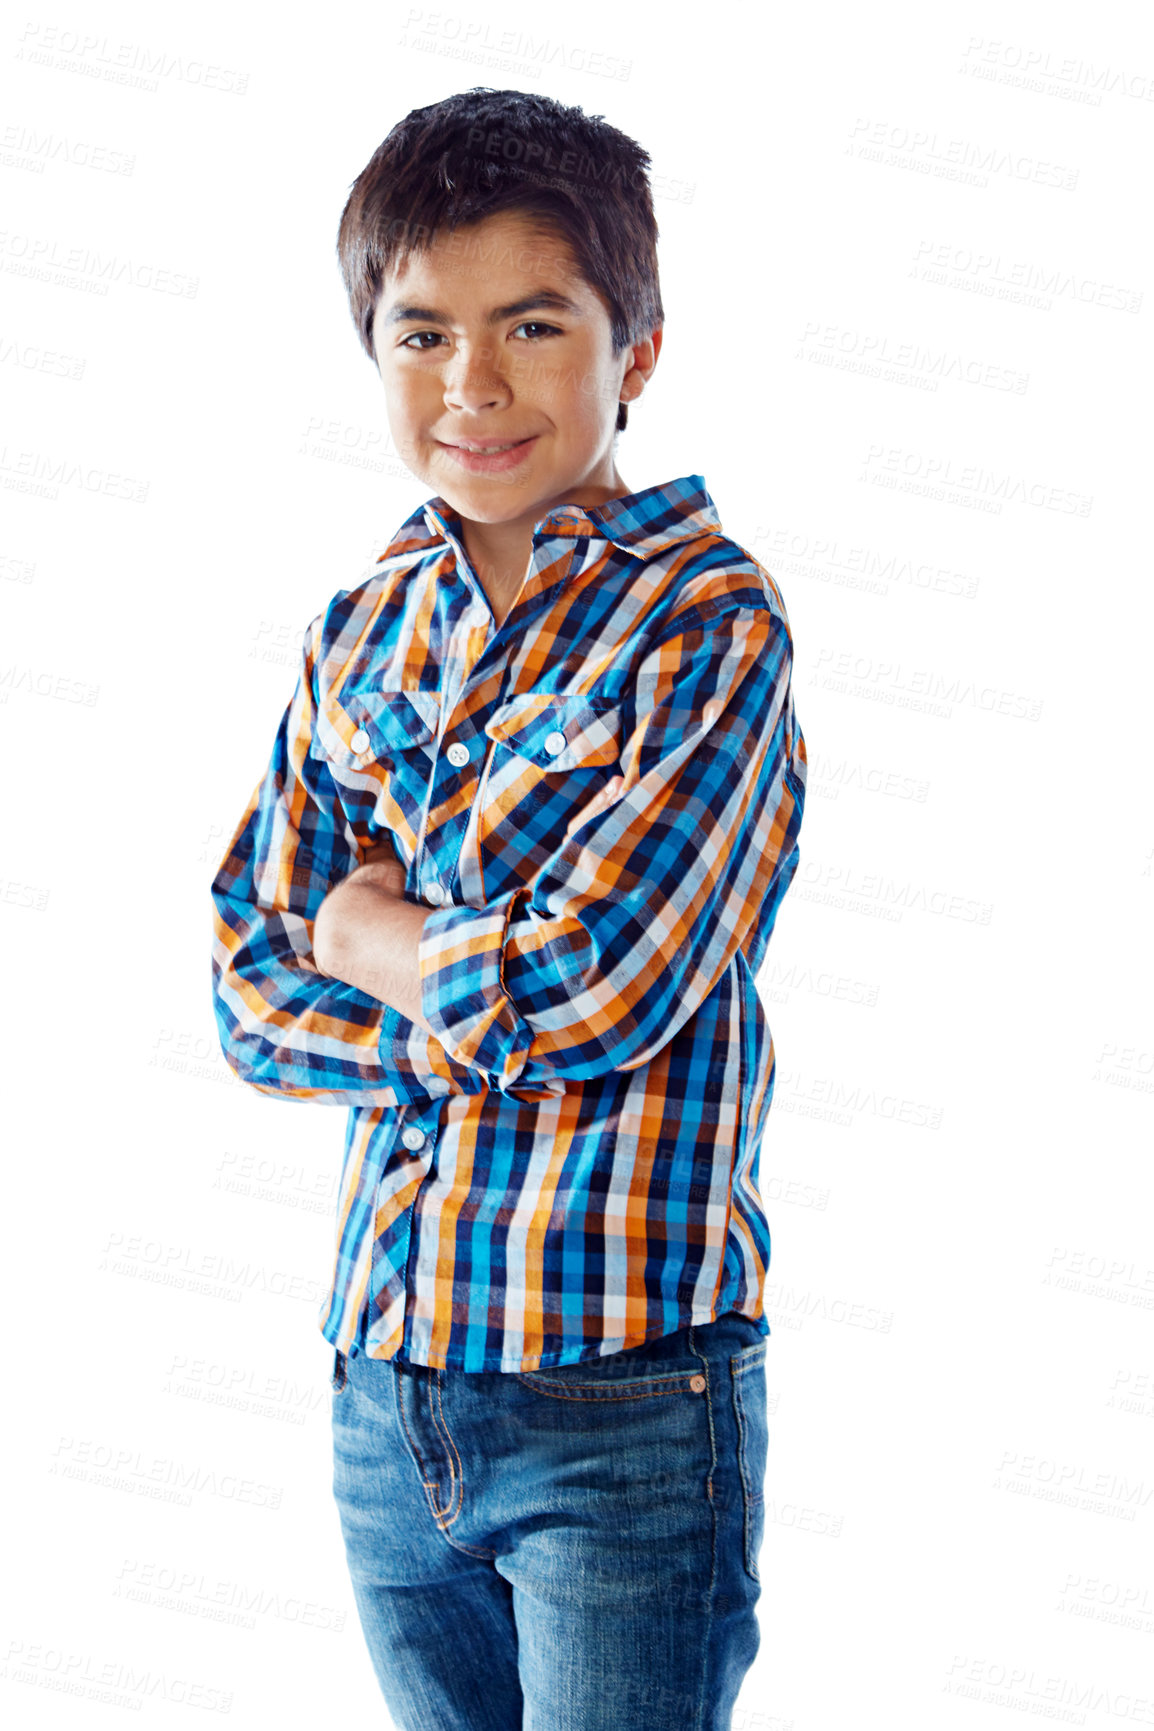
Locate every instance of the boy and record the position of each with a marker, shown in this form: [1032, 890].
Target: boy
[504, 891]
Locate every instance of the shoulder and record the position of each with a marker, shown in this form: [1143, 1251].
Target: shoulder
[362, 624]
[714, 576]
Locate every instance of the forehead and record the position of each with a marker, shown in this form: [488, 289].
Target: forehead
[488, 260]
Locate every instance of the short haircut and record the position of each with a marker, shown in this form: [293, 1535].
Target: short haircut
[483, 151]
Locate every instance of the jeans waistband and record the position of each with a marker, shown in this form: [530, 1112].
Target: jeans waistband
[732, 1329]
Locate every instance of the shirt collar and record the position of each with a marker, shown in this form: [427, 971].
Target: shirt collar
[643, 523]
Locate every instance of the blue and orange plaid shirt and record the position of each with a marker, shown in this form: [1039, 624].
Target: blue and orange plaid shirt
[570, 1167]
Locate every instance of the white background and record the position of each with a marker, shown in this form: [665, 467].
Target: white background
[907, 277]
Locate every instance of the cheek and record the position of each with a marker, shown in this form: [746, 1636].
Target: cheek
[588, 408]
[408, 407]
[592, 393]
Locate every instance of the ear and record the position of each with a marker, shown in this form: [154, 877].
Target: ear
[639, 366]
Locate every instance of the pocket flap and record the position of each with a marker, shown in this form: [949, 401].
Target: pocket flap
[374, 726]
[558, 733]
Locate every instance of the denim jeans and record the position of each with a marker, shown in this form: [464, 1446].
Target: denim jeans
[571, 1549]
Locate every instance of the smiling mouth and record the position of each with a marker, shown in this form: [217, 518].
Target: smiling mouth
[489, 450]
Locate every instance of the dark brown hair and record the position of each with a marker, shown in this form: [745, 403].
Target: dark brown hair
[482, 151]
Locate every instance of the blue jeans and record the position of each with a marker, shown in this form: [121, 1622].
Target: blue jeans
[572, 1549]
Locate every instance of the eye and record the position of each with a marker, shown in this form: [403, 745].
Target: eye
[543, 330]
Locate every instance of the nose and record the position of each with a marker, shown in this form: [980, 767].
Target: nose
[474, 381]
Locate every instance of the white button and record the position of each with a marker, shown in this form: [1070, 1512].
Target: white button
[435, 893]
[554, 743]
[458, 754]
[360, 740]
[412, 1137]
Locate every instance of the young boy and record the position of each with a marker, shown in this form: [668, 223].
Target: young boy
[503, 891]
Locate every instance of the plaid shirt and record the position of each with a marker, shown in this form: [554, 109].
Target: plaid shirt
[570, 1168]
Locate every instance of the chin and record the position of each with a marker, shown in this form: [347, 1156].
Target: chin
[487, 510]
[488, 498]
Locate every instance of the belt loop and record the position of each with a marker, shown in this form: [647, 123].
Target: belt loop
[340, 1375]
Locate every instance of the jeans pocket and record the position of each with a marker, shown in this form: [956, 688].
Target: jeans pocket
[747, 1372]
[582, 1382]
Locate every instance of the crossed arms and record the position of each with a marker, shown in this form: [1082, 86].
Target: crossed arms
[329, 986]
[369, 936]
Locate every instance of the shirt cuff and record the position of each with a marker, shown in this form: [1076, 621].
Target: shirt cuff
[463, 995]
[416, 1069]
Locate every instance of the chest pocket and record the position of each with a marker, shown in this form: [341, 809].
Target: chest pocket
[549, 755]
[379, 747]
[558, 733]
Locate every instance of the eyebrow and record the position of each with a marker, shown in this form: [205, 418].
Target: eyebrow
[548, 298]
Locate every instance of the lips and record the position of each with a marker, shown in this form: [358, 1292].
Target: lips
[484, 446]
[494, 456]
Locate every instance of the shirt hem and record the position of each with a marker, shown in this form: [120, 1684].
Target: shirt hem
[550, 1360]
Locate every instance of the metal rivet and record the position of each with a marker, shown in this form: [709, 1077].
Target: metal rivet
[697, 1384]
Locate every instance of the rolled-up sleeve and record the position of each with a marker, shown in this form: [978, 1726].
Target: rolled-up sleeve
[596, 962]
[286, 1028]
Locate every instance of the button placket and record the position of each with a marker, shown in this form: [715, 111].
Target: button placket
[459, 755]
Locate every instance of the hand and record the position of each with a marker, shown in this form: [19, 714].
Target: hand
[383, 870]
[598, 803]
